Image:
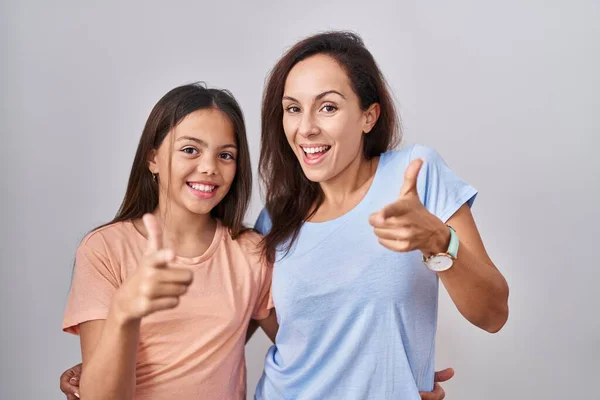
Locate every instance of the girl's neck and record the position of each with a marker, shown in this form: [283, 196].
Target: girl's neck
[187, 234]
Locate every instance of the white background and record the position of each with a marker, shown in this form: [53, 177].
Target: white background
[507, 92]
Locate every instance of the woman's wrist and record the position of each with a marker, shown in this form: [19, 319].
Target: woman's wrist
[439, 240]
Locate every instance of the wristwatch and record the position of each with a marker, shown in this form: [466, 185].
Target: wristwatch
[443, 261]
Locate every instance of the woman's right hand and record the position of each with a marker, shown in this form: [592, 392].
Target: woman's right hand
[69, 382]
[154, 286]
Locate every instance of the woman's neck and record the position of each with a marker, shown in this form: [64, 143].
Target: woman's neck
[351, 180]
[346, 190]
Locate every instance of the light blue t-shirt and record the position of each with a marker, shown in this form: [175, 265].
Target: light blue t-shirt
[358, 321]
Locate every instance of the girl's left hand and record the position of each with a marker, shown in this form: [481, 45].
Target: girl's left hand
[406, 225]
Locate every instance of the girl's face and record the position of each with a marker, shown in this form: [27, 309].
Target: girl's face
[322, 118]
[203, 153]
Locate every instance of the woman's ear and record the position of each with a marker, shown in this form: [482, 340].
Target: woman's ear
[371, 117]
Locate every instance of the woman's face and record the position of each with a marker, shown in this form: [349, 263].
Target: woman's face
[322, 118]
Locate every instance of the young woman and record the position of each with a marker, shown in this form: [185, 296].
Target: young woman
[162, 295]
[359, 234]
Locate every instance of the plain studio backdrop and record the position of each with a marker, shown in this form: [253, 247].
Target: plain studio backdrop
[506, 91]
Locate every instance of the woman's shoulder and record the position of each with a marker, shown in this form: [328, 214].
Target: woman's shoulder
[394, 162]
[409, 153]
[263, 222]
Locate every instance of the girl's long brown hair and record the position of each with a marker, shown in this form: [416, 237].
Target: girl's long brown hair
[290, 196]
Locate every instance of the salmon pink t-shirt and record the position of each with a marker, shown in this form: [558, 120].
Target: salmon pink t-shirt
[195, 351]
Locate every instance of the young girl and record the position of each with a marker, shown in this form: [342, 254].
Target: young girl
[162, 295]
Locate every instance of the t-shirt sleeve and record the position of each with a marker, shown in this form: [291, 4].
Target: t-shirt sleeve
[263, 222]
[264, 302]
[92, 288]
[440, 189]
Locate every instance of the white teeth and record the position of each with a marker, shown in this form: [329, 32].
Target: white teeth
[202, 188]
[312, 150]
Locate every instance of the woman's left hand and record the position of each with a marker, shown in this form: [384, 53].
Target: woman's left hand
[438, 392]
[406, 225]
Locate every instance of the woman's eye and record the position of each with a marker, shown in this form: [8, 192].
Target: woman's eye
[227, 156]
[329, 108]
[293, 109]
[190, 150]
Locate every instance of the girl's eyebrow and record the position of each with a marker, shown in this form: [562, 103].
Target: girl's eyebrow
[202, 143]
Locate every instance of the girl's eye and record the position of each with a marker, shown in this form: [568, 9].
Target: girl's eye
[227, 156]
[329, 108]
[190, 150]
[293, 109]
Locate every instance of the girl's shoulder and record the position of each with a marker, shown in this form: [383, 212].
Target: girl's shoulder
[113, 234]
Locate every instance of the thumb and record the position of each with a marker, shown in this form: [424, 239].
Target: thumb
[410, 178]
[443, 375]
[154, 232]
[70, 386]
[161, 258]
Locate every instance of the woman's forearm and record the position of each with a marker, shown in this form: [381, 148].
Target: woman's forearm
[478, 289]
[475, 285]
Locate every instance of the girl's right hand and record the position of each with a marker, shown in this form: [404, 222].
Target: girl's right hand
[154, 286]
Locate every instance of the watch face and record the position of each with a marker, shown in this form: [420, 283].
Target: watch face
[439, 263]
